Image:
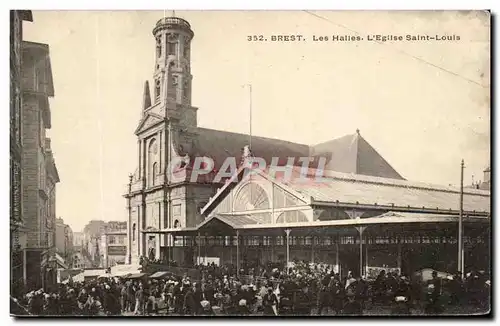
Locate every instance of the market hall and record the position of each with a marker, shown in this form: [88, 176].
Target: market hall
[351, 222]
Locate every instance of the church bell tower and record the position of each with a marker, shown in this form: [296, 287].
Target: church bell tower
[172, 73]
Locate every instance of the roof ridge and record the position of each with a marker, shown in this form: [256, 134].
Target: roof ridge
[332, 139]
[261, 137]
[400, 183]
[358, 136]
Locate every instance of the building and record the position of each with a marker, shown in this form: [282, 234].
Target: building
[40, 174]
[78, 239]
[92, 241]
[80, 262]
[168, 130]
[114, 244]
[486, 184]
[483, 185]
[178, 219]
[115, 226]
[64, 240]
[353, 222]
[94, 227]
[17, 223]
[96, 242]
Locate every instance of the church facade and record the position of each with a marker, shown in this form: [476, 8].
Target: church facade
[168, 130]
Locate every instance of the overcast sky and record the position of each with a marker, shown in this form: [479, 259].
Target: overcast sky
[420, 118]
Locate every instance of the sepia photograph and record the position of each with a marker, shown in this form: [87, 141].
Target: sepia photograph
[179, 163]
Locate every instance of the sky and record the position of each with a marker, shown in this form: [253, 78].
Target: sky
[424, 106]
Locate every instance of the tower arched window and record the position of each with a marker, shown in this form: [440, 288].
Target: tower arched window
[177, 224]
[158, 47]
[133, 232]
[157, 90]
[152, 156]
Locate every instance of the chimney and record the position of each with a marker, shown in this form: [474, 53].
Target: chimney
[146, 98]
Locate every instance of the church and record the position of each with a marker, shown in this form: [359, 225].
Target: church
[165, 218]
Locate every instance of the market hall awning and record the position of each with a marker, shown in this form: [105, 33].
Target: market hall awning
[227, 224]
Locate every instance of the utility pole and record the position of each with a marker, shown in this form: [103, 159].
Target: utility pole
[130, 235]
[460, 226]
[250, 112]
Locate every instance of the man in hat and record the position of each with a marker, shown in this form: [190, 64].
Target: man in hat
[456, 288]
[433, 295]
[189, 305]
[303, 300]
[270, 303]
[139, 300]
[337, 294]
[324, 295]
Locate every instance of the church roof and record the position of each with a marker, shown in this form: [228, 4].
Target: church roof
[219, 145]
[349, 154]
[353, 154]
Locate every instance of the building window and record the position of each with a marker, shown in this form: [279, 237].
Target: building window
[112, 240]
[157, 90]
[177, 224]
[16, 191]
[185, 89]
[133, 232]
[250, 197]
[158, 47]
[171, 47]
[152, 153]
[42, 130]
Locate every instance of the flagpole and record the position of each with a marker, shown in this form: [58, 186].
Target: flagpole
[460, 226]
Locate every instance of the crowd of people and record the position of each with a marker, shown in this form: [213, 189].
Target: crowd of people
[304, 289]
